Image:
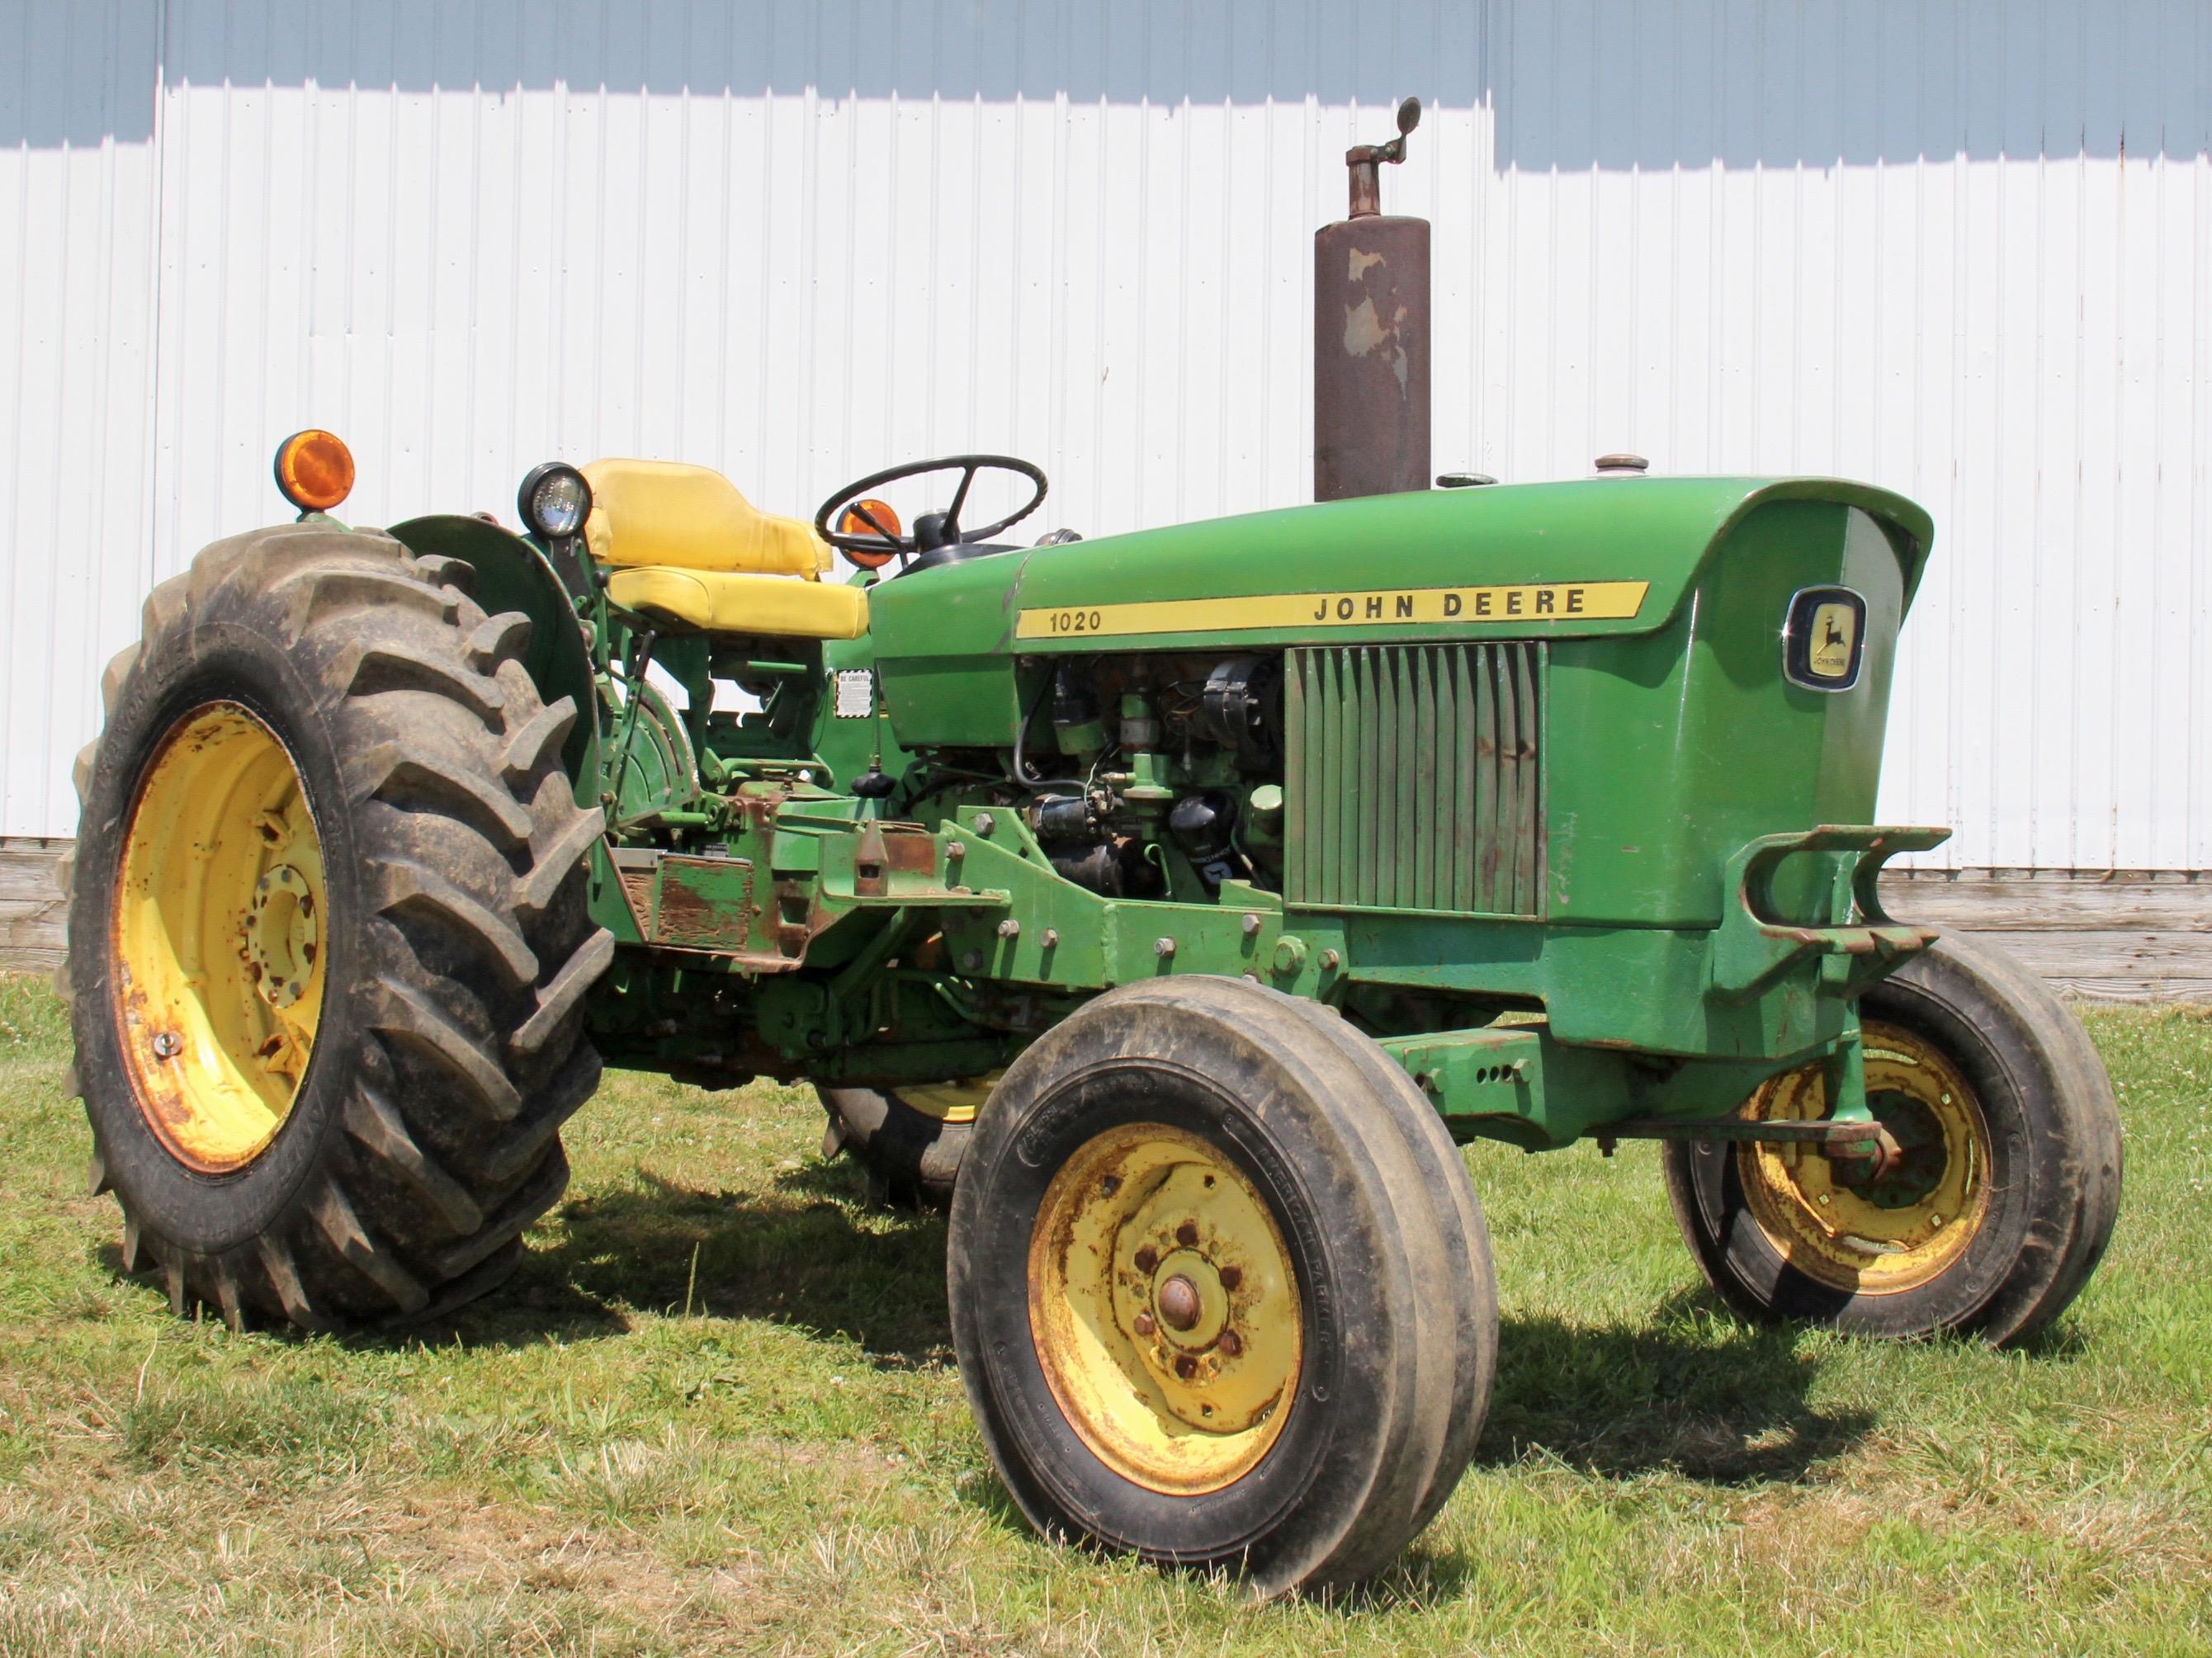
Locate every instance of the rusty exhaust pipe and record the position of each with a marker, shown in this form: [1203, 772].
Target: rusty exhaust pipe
[1372, 337]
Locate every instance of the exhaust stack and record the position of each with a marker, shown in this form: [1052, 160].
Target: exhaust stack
[1372, 337]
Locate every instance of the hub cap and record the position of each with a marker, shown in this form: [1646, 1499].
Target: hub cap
[1850, 1223]
[218, 931]
[1165, 1310]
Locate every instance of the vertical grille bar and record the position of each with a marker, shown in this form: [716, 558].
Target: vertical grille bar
[1415, 777]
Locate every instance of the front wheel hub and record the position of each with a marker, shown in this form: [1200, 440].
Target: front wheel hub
[1164, 1308]
[1869, 1222]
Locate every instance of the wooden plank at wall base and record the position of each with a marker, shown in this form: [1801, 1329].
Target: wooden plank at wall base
[2134, 935]
[33, 922]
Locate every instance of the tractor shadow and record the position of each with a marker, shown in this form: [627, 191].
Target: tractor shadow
[808, 1252]
[1694, 1392]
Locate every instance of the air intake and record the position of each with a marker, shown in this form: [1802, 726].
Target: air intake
[1415, 778]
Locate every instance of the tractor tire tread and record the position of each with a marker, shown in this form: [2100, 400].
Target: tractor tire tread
[470, 1052]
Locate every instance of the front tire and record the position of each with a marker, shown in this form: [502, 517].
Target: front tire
[1998, 1211]
[1220, 1290]
[328, 936]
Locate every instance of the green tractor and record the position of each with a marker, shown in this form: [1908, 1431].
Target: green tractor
[1172, 904]
[1186, 894]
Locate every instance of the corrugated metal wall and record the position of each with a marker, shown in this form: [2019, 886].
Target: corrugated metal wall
[1963, 250]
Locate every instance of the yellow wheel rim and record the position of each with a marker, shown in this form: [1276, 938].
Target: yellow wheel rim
[951, 1102]
[1844, 1221]
[1165, 1310]
[218, 931]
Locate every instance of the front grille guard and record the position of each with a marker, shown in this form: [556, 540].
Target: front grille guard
[1860, 944]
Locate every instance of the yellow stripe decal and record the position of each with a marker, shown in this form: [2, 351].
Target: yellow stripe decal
[1538, 602]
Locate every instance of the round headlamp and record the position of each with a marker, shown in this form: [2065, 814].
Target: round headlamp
[553, 500]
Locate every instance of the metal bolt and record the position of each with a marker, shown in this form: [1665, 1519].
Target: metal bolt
[985, 824]
[971, 961]
[168, 1044]
[1823, 1197]
[1143, 1324]
[955, 848]
[1187, 1233]
[1935, 1220]
[1163, 947]
[1329, 959]
[1147, 1259]
[1179, 1303]
[1251, 924]
[1186, 1366]
[1231, 1277]
[1009, 928]
[1110, 1185]
[1049, 936]
[1231, 1343]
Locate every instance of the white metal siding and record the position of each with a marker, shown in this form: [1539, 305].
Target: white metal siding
[1963, 250]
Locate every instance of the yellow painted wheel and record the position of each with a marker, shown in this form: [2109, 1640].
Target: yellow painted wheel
[1165, 1308]
[218, 930]
[950, 1103]
[1847, 1221]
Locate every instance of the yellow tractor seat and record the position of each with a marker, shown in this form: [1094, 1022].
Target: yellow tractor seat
[661, 512]
[717, 603]
[688, 550]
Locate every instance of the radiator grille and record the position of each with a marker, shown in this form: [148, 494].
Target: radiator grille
[1415, 777]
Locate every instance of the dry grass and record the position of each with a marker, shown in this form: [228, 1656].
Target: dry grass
[585, 1466]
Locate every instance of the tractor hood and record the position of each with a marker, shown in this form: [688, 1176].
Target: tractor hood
[1608, 555]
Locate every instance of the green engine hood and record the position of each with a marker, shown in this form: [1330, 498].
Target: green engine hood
[1608, 555]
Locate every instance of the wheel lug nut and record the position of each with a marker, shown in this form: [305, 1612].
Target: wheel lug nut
[1231, 1277]
[1143, 1324]
[1179, 1303]
[167, 1044]
[1187, 1233]
[1231, 1343]
[1186, 1366]
[1147, 1259]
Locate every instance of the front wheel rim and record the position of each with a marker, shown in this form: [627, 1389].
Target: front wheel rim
[1863, 1235]
[1165, 1310]
[218, 925]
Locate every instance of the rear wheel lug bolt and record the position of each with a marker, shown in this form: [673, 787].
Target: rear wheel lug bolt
[1186, 1366]
[1187, 1233]
[167, 1044]
[1143, 1323]
[1231, 1343]
[1231, 1277]
[1147, 1259]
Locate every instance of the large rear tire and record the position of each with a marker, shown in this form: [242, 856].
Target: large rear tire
[328, 936]
[2000, 1207]
[1220, 1290]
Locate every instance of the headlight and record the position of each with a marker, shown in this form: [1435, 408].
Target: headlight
[553, 500]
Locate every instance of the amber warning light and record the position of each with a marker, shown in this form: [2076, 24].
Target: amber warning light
[870, 517]
[314, 470]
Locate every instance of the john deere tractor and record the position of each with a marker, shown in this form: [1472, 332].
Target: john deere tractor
[1173, 903]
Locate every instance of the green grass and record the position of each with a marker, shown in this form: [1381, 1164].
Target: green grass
[716, 1413]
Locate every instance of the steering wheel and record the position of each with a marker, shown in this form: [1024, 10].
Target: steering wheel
[931, 530]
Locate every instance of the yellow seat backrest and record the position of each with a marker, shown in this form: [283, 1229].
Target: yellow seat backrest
[662, 513]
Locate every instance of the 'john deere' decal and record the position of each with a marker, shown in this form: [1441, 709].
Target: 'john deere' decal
[1823, 637]
[1536, 603]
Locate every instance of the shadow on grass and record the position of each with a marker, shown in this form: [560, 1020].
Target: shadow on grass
[809, 1254]
[1694, 1392]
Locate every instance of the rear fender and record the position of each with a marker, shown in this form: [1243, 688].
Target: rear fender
[512, 574]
